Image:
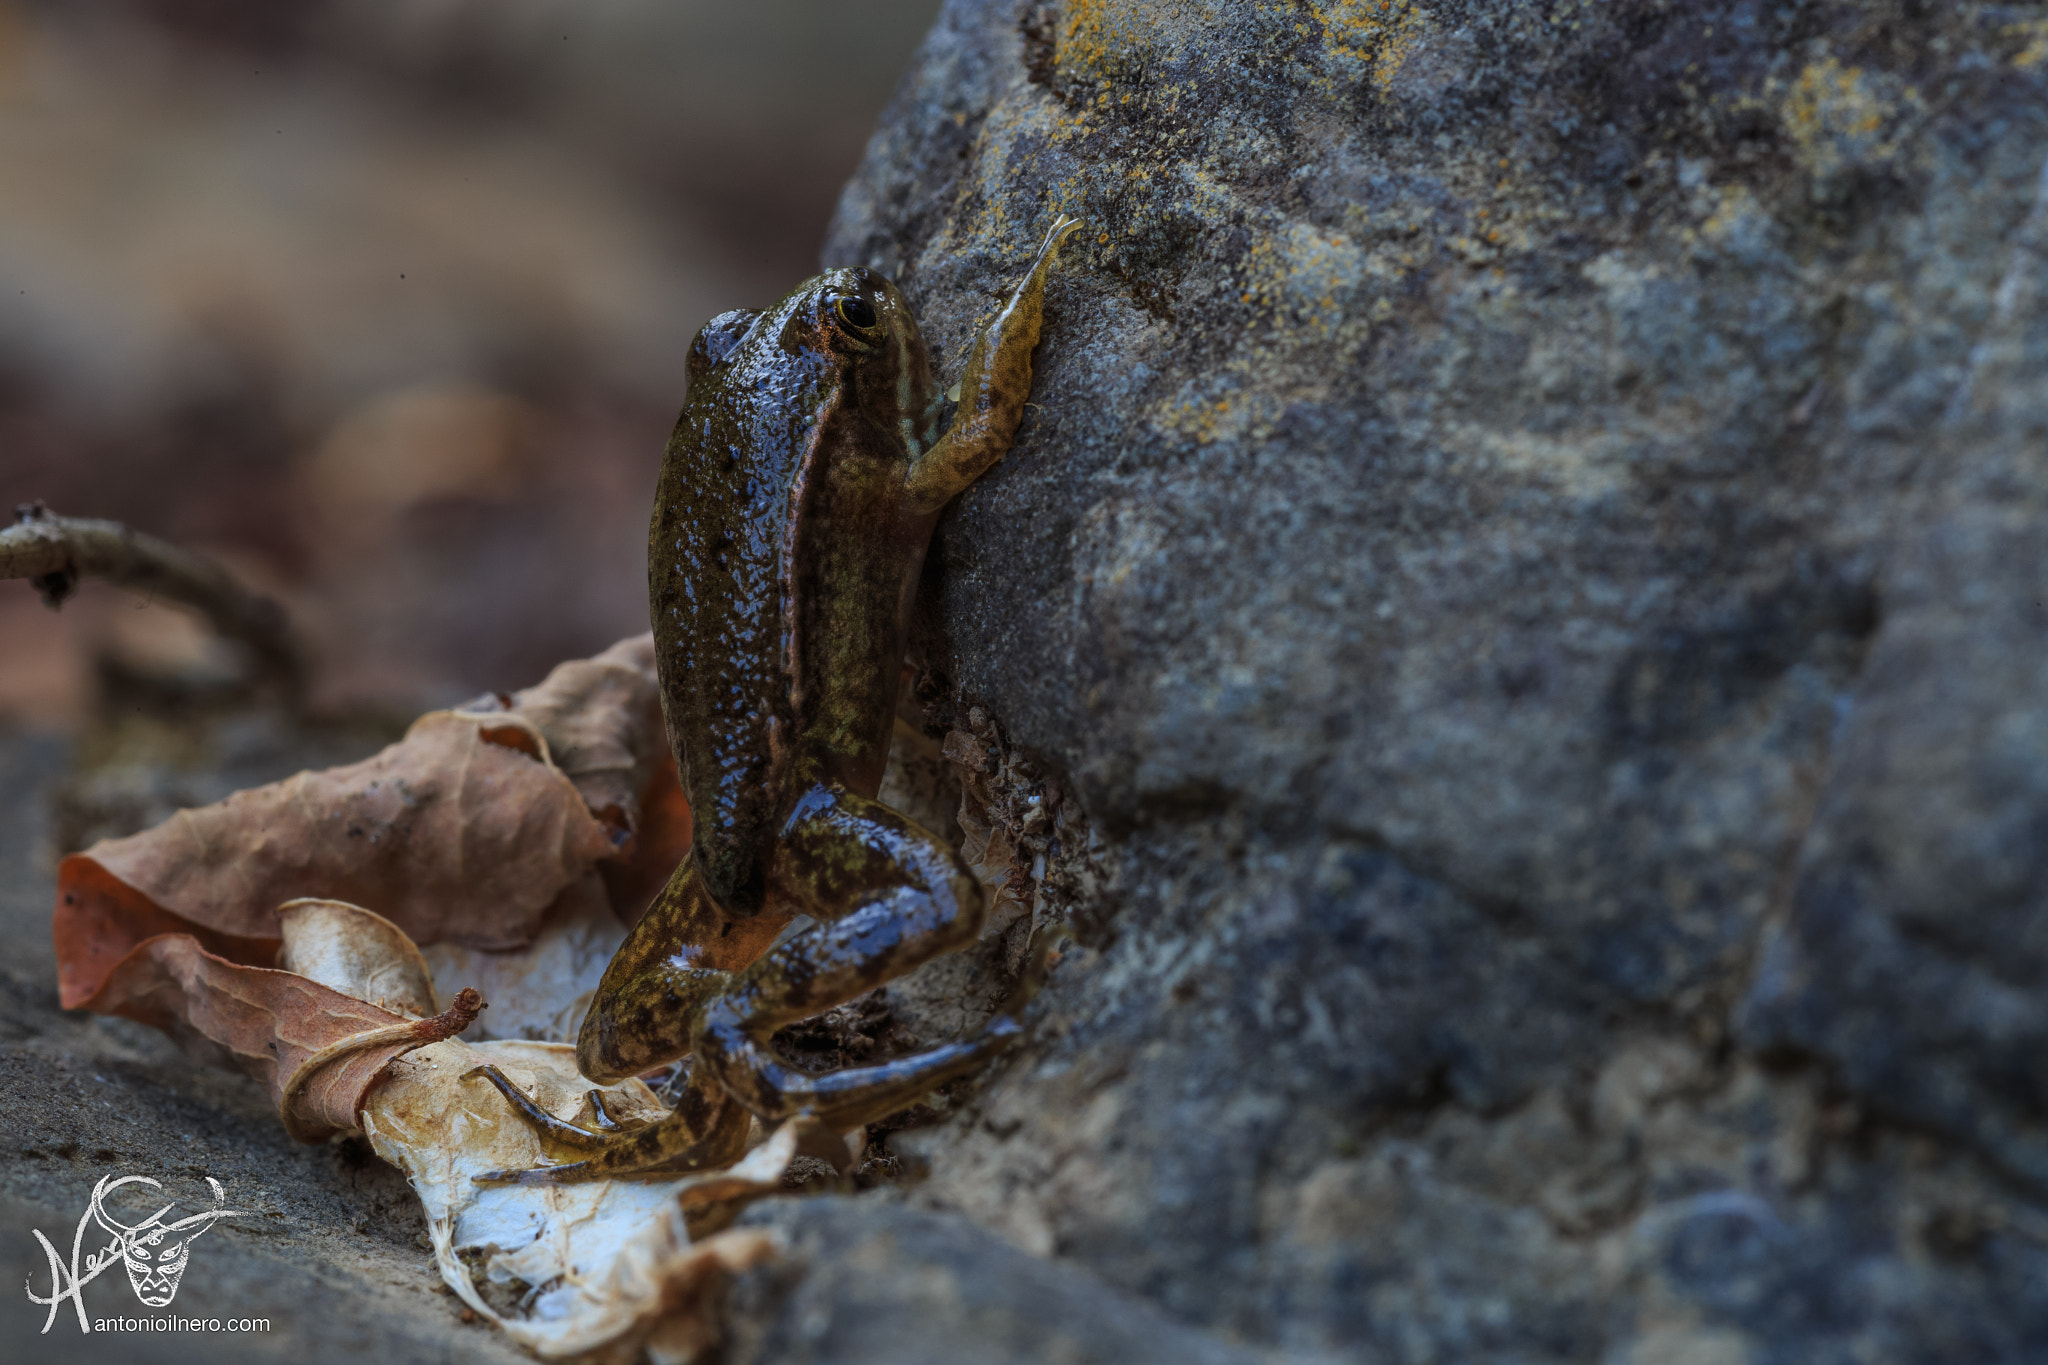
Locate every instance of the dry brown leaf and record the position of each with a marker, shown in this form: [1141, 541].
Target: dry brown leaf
[477, 829]
[465, 833]
[660, 841]
[450, 833]
[101, 919]
[602, 720]
[290, 1033]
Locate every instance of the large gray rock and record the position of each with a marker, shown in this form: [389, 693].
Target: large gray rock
[1524, 590]
[865, 1282]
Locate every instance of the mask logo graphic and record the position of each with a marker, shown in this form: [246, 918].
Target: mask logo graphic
[155, 1256]
[154, 1251]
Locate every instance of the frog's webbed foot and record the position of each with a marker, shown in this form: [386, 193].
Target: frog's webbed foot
[854, 1096]
[706, 1129]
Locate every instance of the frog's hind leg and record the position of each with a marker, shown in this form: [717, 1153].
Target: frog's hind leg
[681, 954]
[892, 897]
[560, 1130]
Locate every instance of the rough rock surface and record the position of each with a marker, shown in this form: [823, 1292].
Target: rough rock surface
[863, 1280]
[1525, 594]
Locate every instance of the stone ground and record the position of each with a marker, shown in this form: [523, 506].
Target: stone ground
[331, 1252]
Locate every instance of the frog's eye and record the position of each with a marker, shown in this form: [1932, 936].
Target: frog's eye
[856, 312]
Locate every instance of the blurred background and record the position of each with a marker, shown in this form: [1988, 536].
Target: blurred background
[385, 303]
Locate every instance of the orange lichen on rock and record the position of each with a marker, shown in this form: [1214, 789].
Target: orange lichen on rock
[1379, 34]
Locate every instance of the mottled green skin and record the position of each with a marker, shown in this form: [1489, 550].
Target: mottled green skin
[795, 502]
[776, 558]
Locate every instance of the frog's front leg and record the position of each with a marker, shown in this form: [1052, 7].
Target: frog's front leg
[992, 390]
[890, 897]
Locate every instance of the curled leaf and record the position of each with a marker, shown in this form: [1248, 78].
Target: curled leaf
[570, 1268]
[316, 1050]
[358, 952]
[371, 1044]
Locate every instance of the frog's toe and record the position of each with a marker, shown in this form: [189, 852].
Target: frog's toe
[568, 1174]
[609, 1123]
[705, 1130]
[561, 1130]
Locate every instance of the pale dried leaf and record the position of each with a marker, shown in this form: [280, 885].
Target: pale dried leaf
[541, 990]
[607, 1264]
[357, 952]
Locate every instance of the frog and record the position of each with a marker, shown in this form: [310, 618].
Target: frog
[795, 505]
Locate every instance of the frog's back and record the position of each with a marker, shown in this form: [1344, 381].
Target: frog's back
[770, 504]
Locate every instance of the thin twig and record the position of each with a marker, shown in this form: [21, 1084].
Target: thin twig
[54, 552]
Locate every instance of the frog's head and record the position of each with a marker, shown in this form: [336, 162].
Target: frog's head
[849, 328]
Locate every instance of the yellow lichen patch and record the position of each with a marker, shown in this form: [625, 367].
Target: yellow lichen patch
[982, 220]
[1839, 115]
[1102, 39]
[1586, 463]
[1376, 35]
[1309, 273]
[1205, 420]
[1246, 397]
[2032, 35]
[1303, 286]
